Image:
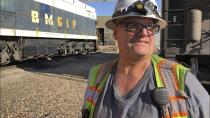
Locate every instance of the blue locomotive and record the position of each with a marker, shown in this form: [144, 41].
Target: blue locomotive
[41, 28]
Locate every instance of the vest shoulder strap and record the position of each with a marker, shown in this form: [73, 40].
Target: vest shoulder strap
[171, 75]
[97, 78]
[97, 73]
[165, 68]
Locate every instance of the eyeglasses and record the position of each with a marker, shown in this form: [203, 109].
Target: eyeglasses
[136, 27]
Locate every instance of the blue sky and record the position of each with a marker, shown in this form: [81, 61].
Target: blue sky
[106, 8]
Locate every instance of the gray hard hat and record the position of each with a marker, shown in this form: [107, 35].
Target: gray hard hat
[136, 8]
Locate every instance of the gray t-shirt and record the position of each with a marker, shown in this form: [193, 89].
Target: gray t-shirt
[138, 103]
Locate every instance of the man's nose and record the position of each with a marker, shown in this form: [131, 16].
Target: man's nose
[143, 33]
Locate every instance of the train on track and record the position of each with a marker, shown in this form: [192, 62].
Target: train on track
[42, 28]
[187, 37]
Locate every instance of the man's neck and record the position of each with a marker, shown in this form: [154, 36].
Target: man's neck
[130, 66]
[129, 73]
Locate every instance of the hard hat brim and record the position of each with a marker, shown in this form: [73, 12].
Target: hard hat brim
[110, 23]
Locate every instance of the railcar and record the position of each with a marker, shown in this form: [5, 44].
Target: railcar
[187, 37]
[42, 28]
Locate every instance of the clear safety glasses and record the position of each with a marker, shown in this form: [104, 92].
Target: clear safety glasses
[136, 27]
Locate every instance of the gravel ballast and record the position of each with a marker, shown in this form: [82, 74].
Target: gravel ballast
[48, 89]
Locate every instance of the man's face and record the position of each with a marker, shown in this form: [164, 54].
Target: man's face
[133, 38]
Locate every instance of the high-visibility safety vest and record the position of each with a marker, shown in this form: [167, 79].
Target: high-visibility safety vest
[168, 74]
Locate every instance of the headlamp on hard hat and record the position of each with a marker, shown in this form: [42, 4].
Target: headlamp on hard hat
[150, 6]
[138, 5]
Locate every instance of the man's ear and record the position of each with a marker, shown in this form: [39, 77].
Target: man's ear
[115, 33]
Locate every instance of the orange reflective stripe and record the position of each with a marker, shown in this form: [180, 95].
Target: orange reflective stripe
[159, 71]
[174, 98]
[175, 81]
[177, 114]
[90, 99]
[93, 88]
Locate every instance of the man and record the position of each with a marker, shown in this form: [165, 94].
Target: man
[140, 84]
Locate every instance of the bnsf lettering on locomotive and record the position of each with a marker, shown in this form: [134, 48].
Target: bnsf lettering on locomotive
[35, 16]
[49, 20]
[59, 21]
[67, 23]
[74, 23]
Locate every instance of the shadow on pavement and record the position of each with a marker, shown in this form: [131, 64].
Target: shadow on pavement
[78, 65]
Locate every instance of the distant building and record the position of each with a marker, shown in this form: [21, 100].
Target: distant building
[104, 34]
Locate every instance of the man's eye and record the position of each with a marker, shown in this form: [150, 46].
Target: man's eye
[149, 27]
[132, 27]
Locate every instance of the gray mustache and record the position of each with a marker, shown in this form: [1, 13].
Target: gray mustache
[137, 38]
